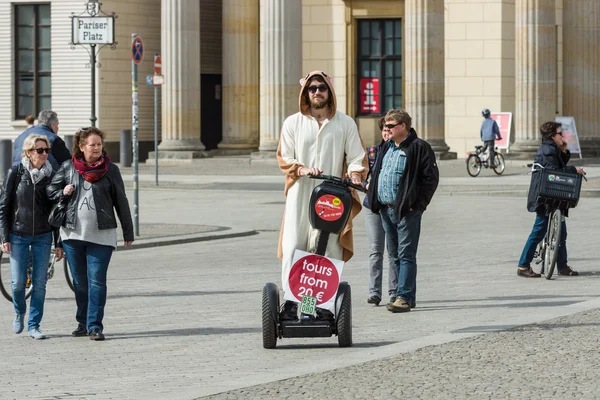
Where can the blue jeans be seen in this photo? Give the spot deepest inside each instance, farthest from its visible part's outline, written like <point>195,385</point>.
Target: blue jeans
<point>88,263</point>
<point>540,226</point>
<point>402,239</point>
<point>20,255</point>
<point>376,240</point>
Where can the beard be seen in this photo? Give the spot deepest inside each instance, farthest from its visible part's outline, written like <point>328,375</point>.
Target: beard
<point>319,103</point>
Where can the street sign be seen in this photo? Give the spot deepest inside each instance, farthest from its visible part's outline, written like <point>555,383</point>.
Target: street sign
<point>158,80</point>
<point>137,50</point>
<point>149,80</point>
<point>157,65</point>
<point>93,30</point>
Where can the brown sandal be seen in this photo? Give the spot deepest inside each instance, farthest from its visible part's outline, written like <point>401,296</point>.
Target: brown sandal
<point>527,273</point>
<point>567,271</point>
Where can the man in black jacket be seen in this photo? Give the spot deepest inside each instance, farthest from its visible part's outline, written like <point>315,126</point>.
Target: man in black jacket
<point>404,179</point>
<point>553,153</point>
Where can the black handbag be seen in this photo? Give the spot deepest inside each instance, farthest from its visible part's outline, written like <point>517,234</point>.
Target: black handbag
<point>59,211</point>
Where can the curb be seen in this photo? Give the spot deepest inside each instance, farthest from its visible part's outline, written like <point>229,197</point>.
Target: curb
<point>183,239</point>
<point>510,193</point>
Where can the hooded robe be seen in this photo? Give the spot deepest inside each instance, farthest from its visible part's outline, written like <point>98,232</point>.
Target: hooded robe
<point>335,148</point>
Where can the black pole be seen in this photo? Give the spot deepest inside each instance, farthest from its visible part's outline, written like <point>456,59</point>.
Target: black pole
<point>93,66</point>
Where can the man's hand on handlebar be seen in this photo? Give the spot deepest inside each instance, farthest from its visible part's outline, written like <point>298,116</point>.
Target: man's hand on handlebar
<point>355,178</point>
<point>303,171</point>
<point>580,171</point>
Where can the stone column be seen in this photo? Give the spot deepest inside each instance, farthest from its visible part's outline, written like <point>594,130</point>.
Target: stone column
<point>281,68</point>
<point>240,75</point>
<point>180,44</point>
<point>424,71</point>
<point>536,77</point>
<point>581,71</point>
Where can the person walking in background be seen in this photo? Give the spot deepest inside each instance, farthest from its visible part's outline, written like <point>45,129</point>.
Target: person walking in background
<point>29,120</point>
<point>93,189</point>
<point>404,179</point>
<point>489,133</point>
<point>48,127</point>
<point>376,235</point>
<point>25,231</point>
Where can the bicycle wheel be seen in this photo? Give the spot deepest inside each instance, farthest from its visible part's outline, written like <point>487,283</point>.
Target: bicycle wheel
<point>68,274</point>
<point>499,162</point>
<point>5,278</point>
<point>552,243</point>
<point>473,165</point>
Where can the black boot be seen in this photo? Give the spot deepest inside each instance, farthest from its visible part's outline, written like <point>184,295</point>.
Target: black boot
<point>289,311</point>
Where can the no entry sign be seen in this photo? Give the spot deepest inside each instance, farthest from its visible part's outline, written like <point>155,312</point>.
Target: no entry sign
<point>315,276</point>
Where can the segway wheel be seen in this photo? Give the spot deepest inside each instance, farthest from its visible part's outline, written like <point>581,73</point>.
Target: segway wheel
<point>344,319</point>
<point>269,325</point>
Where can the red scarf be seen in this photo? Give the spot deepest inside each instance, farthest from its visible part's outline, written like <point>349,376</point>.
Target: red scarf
<point>92,172</point>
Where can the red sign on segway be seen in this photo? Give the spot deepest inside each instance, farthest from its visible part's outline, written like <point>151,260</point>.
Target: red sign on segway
<point>329,207</point>
<point>315,276</point>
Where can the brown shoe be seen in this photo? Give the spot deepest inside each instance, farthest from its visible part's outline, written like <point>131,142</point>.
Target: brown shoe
<point>527,273</point>
<point>567,271</point>
<point>398,306</point>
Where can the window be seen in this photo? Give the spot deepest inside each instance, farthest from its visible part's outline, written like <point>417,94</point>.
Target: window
<point>32,59</point>
<point>379,66</point>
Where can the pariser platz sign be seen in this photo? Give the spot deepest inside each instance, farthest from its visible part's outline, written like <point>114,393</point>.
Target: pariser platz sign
<point>93,30</point>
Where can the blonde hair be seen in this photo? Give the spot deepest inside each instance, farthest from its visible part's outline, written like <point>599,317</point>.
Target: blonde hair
<point>31,140</point>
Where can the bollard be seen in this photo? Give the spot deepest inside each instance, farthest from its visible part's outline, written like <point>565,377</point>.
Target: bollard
<point>69,143</point>
<point>6,148</point>
<point>125,148</point>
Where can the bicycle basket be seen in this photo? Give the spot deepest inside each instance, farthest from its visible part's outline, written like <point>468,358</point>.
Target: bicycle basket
<point>557,187</point>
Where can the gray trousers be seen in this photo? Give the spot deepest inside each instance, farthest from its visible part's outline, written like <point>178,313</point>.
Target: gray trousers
<point>492,145</point>
<point>376,240</point>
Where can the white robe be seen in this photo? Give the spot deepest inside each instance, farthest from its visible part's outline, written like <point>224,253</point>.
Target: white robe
<point>303,142</point>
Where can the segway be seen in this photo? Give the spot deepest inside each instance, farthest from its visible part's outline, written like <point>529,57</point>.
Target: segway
<point>330,206</point>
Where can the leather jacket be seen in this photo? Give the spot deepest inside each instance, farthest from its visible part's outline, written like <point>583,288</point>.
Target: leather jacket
<point>24,206</point>
<point>108,192</point>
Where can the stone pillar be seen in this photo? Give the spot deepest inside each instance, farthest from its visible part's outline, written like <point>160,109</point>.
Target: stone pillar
<point>424,71</point>
<point>581,71</point>
<point>281,68</point>
<point>240,75</point>
<point>536,78</point>
<point>180,44</point>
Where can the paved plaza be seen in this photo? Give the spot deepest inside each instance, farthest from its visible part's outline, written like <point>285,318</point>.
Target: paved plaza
<point>183,317</point>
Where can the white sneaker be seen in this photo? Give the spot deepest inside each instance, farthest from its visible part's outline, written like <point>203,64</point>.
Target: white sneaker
<point>36,333</point>
<point>19,323</point>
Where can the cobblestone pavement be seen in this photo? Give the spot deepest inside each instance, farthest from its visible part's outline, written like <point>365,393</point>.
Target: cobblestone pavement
<point>184,321</point>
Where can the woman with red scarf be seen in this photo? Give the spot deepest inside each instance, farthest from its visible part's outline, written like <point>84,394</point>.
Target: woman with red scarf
<point>92,188</point>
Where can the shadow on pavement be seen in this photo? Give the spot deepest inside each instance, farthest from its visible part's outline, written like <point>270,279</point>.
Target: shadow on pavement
<point>182,332</point>
<point>165,294</point>
<point>362,345</point>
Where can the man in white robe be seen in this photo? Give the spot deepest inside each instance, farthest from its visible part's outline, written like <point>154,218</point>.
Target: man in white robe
<point>317,139</point>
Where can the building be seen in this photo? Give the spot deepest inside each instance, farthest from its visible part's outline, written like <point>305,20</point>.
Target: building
<point>232,68</point>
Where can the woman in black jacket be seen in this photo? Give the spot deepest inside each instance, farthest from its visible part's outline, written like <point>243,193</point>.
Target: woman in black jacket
<point>24,211</point>
<point>93,188</point>
<point>553,154</point>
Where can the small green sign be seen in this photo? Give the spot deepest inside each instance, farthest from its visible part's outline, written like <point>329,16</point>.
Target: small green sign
<point>309,305</point>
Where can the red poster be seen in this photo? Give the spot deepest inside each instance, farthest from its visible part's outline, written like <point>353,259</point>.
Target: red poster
<point>504,120</point>
<point>369,95</point>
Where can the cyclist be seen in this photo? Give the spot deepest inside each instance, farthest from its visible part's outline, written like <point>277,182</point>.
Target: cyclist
<point>489,133</point>
<point>553,154</point>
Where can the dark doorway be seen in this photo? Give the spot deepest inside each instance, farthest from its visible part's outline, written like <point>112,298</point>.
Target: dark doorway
<point>210,108</point>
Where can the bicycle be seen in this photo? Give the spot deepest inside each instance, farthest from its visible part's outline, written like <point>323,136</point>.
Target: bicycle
<point>557,191</point>
<point>5,281</point>
<point>476,160</point>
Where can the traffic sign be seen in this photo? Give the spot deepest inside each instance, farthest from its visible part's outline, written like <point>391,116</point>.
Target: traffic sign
<point>158,80</point>
<point>157,65</point>
<point>137,50</point>
<point>149,80</point>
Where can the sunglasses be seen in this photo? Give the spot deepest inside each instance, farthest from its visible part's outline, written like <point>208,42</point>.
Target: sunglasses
<point>392,126</point>
<point>320,88</point>
<point>42,150</point>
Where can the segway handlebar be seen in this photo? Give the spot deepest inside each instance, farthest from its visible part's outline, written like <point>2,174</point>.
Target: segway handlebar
<point>337,179</point>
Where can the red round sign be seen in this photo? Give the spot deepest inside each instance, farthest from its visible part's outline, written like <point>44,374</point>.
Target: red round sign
<point>315,276</point>
<point>329,207</point>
